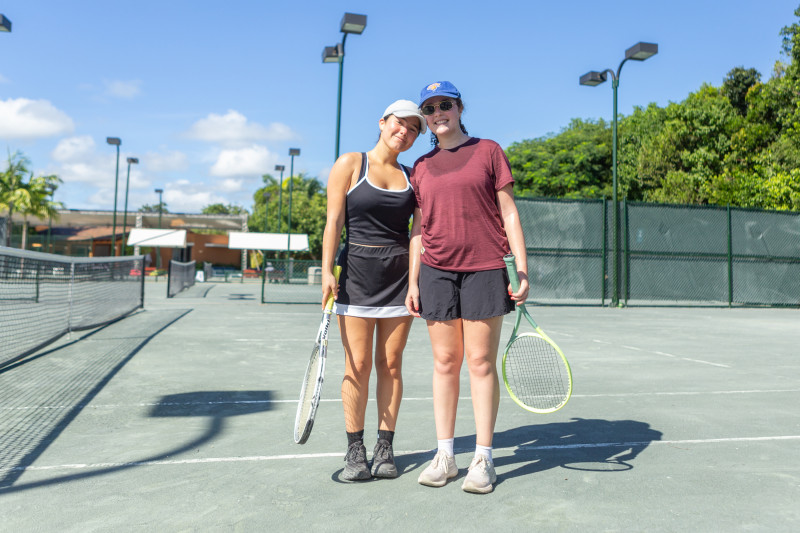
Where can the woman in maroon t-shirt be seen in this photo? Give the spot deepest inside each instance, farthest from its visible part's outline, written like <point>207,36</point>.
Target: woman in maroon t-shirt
<point>466,221</point>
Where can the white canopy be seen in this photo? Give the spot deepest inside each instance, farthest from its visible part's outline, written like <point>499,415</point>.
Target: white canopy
<point>239,240</point>
<point>161,238</point>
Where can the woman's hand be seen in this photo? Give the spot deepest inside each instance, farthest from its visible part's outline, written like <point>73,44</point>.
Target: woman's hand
<point>329,286</point>
<point>522,294</point>
<point>412,300</point>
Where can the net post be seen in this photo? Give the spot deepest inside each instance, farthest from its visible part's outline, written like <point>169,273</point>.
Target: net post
<point>604,257</point>
<point>730,259</point>
<point>263,276</point>
<point>142,270</point>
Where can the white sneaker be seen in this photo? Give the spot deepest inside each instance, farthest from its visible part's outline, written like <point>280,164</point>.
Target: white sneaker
<point>442,468</point>
<point>481,476</point>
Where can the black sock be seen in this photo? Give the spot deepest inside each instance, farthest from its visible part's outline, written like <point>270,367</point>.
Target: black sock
<point>356,436</point>
<point>385,434</point>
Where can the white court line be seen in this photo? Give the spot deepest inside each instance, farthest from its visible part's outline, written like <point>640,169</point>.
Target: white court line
<point>416,399</point>
<point>260,458</point>
<point>637,349</point>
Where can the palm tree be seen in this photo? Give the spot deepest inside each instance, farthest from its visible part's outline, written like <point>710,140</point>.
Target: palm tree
<point>28,198</point>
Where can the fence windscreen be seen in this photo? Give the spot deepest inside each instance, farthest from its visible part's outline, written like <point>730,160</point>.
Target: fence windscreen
<point>44,296</point>
<point>667,254</point>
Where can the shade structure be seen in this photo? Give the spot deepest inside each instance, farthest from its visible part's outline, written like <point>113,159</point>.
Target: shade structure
<point>158,238</point>
<point>239,240</point>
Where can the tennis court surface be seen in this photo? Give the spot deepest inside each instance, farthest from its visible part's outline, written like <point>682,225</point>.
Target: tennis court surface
<point>179,418</point>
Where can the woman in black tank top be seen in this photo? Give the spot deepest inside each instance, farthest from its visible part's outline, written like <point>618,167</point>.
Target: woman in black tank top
<point>370,194</point>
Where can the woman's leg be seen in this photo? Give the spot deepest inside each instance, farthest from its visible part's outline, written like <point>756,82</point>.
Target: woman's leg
<point>448,354</point>
<point>356,335</point>
<point>392,334</point>
<point>482,341</point>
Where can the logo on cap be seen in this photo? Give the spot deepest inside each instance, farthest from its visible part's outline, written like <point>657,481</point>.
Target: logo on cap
<point>433,86</point>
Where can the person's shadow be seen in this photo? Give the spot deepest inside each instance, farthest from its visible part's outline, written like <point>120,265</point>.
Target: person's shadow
<point>581,444</point>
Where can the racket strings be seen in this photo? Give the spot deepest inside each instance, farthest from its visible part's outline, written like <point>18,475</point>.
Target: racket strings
<point>307,392</point>
<point>536,373</point>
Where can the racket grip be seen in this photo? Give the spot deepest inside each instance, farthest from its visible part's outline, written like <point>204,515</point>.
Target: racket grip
<point>511,266</point>
<point>336,271</point>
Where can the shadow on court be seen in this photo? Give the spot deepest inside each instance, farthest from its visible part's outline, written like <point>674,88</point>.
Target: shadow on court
<point>593,445</point>
<point>61,382</point>
<point>215,405</point>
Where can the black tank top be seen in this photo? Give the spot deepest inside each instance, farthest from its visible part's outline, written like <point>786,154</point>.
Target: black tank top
<point>378,216</point>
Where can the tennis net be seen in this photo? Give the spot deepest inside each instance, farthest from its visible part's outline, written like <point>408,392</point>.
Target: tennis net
<point>181,277</point>
<point>44,296</point>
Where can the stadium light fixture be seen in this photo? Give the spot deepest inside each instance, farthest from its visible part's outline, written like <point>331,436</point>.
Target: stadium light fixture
<point>131,161</point>
<point>292,152</point>
<point>280,168</point>
<point>638,52</point>
<point>351,23</point>
<point>115,141</point>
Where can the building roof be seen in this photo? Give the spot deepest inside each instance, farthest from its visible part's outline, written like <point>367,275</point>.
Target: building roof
<point>78,218</point>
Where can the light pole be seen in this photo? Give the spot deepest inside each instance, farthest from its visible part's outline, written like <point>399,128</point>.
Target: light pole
<point>280,168</point>
<point>292,152</point>
<point>159,192</point>
<point>351,23</point>
<point>5,24</point>
<point>638,52</point>
<point>134,161</point>
<point>115,141</point>
<point>52,190</point>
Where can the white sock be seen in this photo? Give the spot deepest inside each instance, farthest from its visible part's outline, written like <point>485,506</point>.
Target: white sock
<point>484,450</point>
<point>446,446</point>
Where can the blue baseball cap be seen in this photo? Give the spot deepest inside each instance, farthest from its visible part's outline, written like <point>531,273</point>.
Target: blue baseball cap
<point>438,88</point>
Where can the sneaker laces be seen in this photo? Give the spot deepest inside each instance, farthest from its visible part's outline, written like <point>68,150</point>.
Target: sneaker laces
<point>383,451</point>
<point>438,459</point>
<point>356,453</point>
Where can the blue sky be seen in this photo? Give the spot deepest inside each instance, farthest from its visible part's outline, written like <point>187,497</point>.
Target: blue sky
<point>211,95</point>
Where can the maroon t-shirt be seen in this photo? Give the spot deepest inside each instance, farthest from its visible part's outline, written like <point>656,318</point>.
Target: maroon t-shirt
<point>456,190</point>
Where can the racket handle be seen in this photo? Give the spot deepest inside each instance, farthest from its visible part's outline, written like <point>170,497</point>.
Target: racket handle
<point>511,266</point>
<point>336,271</point>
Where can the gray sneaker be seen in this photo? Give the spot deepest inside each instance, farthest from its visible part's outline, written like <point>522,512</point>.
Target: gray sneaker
<point>355,467</point>
<point>442,468</point>
<point>383,460</point>
<point>481,476</point>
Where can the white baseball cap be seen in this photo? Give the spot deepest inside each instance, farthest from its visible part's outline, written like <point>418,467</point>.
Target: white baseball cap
<point>404,109</point>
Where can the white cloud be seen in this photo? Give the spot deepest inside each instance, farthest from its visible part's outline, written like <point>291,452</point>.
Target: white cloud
<point>231,185</point>
<point>171,161</point>
<point>22,118</point>
<point>74,149</point>
<point>243,161</point>
<point>123,89</point>
<point>233,127</point>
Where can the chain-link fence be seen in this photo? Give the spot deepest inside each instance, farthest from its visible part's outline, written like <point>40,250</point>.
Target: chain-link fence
<point>292,281</point>
<point>667,254</point>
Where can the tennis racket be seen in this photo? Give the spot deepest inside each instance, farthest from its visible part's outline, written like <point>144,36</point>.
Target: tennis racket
<point>311,390</point>
<point>535,371</point>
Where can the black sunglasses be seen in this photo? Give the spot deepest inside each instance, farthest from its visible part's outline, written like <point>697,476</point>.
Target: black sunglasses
<point>430,109</point>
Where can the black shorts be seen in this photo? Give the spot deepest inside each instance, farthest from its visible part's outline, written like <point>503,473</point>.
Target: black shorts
<point>446,295</point>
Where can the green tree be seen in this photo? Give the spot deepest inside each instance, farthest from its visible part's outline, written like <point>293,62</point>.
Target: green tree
<point>29,198</point>
<point>222,209</point>
<point>309,207</point>
<point>575,163</point>
<point>736,84</point>
<point>154,208</point>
